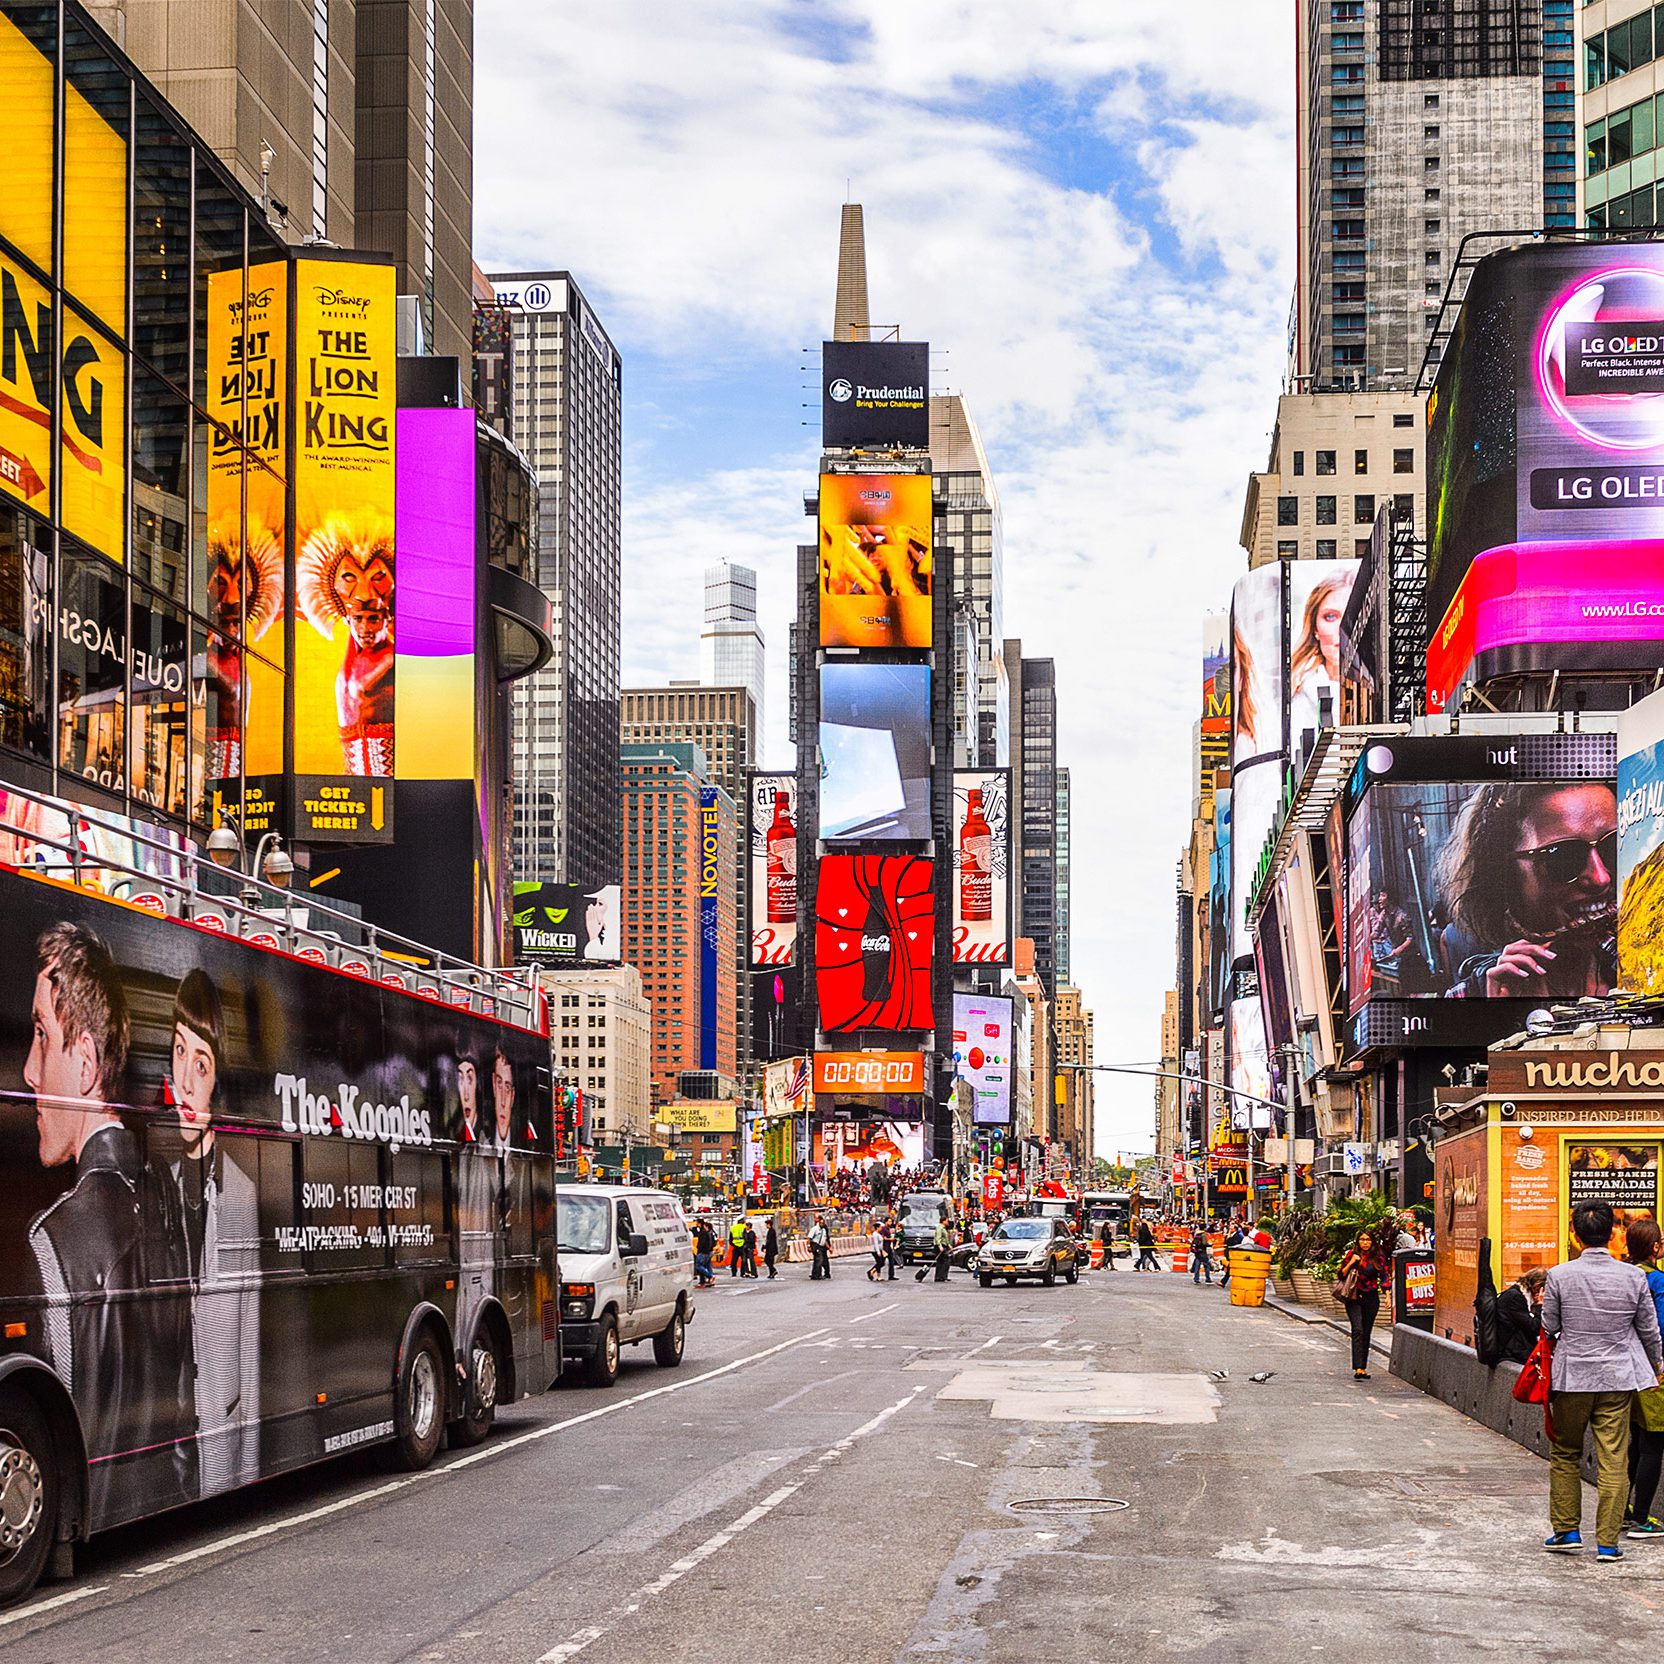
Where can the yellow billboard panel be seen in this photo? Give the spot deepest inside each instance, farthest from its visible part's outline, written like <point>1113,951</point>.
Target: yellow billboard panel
<point>346,366</point>
<point>247,383</point>
<point>698,1117</point>
<point>26,357</point>
<point>26,97</point>
<point>94,436</point>
<point>95,212</point>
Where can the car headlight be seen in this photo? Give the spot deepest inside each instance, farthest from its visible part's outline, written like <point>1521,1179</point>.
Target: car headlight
<point>577,1300</point>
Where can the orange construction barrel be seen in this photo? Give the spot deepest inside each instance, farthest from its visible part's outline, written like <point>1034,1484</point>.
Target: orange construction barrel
<point>1249,1269</point>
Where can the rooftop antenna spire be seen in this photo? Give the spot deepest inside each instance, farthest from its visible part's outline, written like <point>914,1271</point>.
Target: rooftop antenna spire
<point>850,315</point>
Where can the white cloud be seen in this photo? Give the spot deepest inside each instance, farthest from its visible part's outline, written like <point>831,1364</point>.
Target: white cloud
<point>1085,207</point>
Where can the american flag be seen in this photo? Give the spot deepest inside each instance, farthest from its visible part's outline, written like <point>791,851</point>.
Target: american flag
<point>800,1082</point>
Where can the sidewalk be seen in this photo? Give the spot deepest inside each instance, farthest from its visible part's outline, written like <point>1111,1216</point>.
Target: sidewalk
<point>1380,1340</point>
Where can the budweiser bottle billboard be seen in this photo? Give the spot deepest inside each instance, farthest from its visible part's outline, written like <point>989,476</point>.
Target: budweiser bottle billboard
<point>976,862</point>
<point>782,864</point>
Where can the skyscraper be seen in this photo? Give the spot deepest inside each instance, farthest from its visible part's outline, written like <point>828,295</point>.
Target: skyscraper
<point>1622,44</point>
<point>732,641</point>
<point>1063,837</point>
<point>567,383</point>
<point>352,119</point>
<point>968,523</point>
<point>1415,125</point>
<point>1034,792</point>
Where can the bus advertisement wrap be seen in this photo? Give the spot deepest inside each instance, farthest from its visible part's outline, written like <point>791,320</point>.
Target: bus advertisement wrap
<point>345,336</point>
<point>202,1139</point>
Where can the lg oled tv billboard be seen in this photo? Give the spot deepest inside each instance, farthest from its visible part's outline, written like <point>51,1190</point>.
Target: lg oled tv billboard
<point>875,560</point>
<point>875,942</point>
<point>1546,439</point>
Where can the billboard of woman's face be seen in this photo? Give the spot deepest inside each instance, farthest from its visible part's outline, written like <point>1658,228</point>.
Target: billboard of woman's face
<point>1257,664</point>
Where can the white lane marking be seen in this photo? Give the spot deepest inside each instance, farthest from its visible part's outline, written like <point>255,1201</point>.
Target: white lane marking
<point>813,1386</point>
<point>35,1608</point>
<point>679,1569</point>
<point>992,1340</point>
<point>867,1317</point>
<point>273,1527</point>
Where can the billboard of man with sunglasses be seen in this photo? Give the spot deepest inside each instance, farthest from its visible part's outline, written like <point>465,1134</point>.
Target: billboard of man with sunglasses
<point>1527,883</point>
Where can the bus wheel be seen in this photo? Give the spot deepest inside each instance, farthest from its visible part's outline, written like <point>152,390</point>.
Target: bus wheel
<point>29,1486</point>
<point>421,1407</point>
<point>479,1394</point>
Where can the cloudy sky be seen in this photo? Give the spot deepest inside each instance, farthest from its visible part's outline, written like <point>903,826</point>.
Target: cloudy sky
<point>1086,206</point>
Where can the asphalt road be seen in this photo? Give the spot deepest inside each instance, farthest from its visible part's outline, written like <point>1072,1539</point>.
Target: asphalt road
<point>907,1473</point>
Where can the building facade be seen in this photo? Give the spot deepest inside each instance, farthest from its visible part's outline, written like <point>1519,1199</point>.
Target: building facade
<point>567,382</point>
<point>1038,738</point>
<point>351,120</point>
<point>1621,47</point>
<point>601,1039</point>
<point>1065,819</point>
<point>687,973</point>
<point>969,530</point>
<point>1072,1022</point>
<point>1337,459</point>
<point>1413,128</point>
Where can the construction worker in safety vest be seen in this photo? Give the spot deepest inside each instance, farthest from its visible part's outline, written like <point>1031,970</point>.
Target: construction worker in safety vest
<point>736,1245</point>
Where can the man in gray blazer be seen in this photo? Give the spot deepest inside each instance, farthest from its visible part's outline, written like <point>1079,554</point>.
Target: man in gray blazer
<point>1600,1314</point>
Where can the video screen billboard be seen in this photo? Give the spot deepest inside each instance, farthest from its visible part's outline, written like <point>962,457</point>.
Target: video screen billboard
<point>1545,425</point>
<point>1487,890</point>
<point>712,880</point>
<point>435,537</point>
<point>346,344</point>
<point>1255,794</point>
<point>875,751</point>
<point>875,942</point>
<point>875,393</point>
<point>982,1055</point>
<point>1318,591</point>
<point>981,867</point>
<point>846,1146</point>
<point>874,1072</point>
<point>567,924</point>
<point>1641,847</point>
<point>875,560</point>
<point>1257,665</point>
<point>771,835</point>
<point>1549,606</point>
<point>1214,733</point>
<point>1250,1065</point>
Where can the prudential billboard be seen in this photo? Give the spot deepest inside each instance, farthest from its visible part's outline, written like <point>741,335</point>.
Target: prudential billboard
<point>875,395</point>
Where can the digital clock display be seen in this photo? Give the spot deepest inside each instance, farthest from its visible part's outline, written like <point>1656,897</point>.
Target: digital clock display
<point>869,1071</point>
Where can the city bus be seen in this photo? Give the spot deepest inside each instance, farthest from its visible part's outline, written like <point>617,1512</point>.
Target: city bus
<point>275,1189</point>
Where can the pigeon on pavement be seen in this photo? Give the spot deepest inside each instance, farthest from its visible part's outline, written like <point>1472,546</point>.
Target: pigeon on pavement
<point>1263,1376</point>
<point>1219,1375</point>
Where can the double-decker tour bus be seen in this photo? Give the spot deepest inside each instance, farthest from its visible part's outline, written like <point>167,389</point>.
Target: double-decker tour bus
<point>274,1188</point>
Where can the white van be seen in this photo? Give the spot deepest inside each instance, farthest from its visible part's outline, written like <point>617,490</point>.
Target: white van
<point>626,1275</point>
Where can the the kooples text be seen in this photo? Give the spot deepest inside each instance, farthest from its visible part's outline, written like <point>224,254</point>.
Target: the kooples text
<point>349,1114</point>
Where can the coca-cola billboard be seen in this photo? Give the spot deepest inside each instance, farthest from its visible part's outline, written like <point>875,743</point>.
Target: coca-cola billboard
<point>875,941</point>
<point>771,872</point>
<point>981,867</point>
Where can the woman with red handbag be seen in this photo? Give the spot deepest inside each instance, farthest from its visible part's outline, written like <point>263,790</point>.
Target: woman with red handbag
<point>1363,1273</point>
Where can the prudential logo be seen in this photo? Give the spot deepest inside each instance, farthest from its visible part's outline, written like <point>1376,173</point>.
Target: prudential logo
<point>841,391</point>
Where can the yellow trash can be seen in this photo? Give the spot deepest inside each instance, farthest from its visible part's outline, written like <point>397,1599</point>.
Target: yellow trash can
<point>1249,1269</point>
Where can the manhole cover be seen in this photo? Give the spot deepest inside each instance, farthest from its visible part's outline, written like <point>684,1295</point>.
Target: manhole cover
<point>1067,1505</point>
